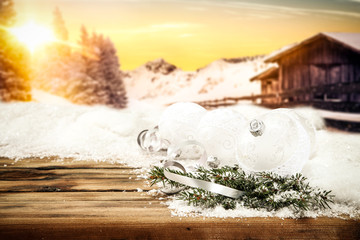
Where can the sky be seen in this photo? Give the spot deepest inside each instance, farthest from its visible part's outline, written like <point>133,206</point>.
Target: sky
<point>192,34</point>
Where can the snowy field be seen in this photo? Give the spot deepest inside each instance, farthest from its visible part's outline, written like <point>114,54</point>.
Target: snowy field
<point>217,80</point>
<point>59,128</point>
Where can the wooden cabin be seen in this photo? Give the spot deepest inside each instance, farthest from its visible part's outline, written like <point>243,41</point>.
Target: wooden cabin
<point>323,68</point>
<point>269,79</point>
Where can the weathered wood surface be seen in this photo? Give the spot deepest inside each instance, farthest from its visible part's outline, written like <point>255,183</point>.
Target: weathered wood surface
<point>46,199</point>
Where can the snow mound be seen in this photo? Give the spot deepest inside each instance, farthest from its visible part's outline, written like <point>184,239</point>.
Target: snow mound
<point>36,129</point>
<point>42,96</point>
<point>72,131</point>
<point>163,82</point>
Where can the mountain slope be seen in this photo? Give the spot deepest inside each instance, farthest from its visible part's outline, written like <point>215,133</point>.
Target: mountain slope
<point>159,80</point>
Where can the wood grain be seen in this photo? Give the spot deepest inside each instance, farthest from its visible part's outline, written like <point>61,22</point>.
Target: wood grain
<point>56,163</point>
<point>48,199</point>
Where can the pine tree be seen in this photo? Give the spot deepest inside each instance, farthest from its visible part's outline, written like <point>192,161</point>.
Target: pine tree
<point>61,34</point>
<point>110,68</point>
<point>103,83</point>
<point>84,37</point>
<point>102,91</point>
<point>59,26</point>
<point>14,79</point>
<point>51,71</point>
<point>90,86</point>
<point>90,76</point>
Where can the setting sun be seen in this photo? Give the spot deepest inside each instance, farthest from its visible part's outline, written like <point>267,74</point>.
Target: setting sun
<point>33,35</point>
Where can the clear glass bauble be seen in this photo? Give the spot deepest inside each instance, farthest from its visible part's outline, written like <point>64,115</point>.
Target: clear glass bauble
<point>150,141</point>
<point>179,122</point>
<point>190,153</point>
<point>310,129</point>
<point>283,146</point>
<point>218,131</point>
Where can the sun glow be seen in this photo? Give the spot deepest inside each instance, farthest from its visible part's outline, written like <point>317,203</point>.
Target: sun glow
<point>33,35</point>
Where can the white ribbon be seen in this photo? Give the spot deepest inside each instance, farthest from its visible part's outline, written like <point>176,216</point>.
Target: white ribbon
<point>196,183</point>
<point>149,141</point>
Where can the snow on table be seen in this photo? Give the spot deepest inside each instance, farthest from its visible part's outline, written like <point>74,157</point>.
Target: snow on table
<point>39,130</point>
<point>55,198</point>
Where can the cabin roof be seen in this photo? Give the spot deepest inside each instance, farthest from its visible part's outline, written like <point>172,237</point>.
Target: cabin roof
<point>269,73</point>
<point>348,40</point>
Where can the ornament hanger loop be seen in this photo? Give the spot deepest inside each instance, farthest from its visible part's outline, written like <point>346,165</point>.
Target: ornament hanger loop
<point>257,127</point>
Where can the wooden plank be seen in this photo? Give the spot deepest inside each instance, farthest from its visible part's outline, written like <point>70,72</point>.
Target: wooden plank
<point>26,197</point>
<point>90,216</point>
<point>86,208</point>
<point>165,227</point>
<point>69,176</point>
<point>55,162</point>
<point>68,185</point>
<point>17,174</point>
<point>113,216</point>
<point>83,209</point>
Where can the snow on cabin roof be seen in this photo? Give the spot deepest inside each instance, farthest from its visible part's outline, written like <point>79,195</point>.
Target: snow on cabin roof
<point>280,51</point>
<point>271,72</point>
<point>349,40</point>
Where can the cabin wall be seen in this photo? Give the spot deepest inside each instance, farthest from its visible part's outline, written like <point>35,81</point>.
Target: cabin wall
<point>269,86</point>
<point>322,62</point>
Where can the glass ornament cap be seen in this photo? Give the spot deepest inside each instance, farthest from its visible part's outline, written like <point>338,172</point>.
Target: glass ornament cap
<point>283,147</point>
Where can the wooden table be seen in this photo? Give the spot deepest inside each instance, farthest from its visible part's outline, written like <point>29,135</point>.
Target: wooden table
<point>47,199</point>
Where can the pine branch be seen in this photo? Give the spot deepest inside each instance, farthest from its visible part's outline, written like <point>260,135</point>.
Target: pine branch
<point>261,191</point>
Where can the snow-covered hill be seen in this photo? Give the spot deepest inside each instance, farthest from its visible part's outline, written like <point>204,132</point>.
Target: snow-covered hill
<point>163,81</point>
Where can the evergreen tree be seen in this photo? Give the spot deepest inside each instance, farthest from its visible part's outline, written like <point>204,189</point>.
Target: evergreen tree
<point>61,34</point>
<point>51,70</point>
<point>14,80</point>
<point>60,30</point>
<point>90,76</point>
<point>91,85</point>
<point>110,69</point>
<point>84,37</point>
<point>104,83</point>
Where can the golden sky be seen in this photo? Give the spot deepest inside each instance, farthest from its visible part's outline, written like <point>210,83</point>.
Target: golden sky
<point>191,34</point>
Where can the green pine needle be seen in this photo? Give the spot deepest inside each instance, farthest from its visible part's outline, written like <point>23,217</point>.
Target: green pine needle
<point>261,190</point>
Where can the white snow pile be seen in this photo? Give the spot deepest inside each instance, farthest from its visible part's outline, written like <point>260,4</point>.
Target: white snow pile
<point>71,131</point>
<point>37,129</point>
<point>163,82</point>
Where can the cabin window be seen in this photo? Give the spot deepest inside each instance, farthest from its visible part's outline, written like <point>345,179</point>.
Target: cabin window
<point>268,87</point>
<point>355,97</point>
<point>263,88</point>
<point>333,97</point>
<point>318,97</point>
<point>318,74</point>
<point>334,74</point>
<point>357,73</point>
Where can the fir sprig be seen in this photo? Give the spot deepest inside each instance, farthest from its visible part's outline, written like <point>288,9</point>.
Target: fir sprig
<point>261,190</point>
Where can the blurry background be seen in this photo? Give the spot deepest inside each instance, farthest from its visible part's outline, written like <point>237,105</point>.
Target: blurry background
<point>217,53</point>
